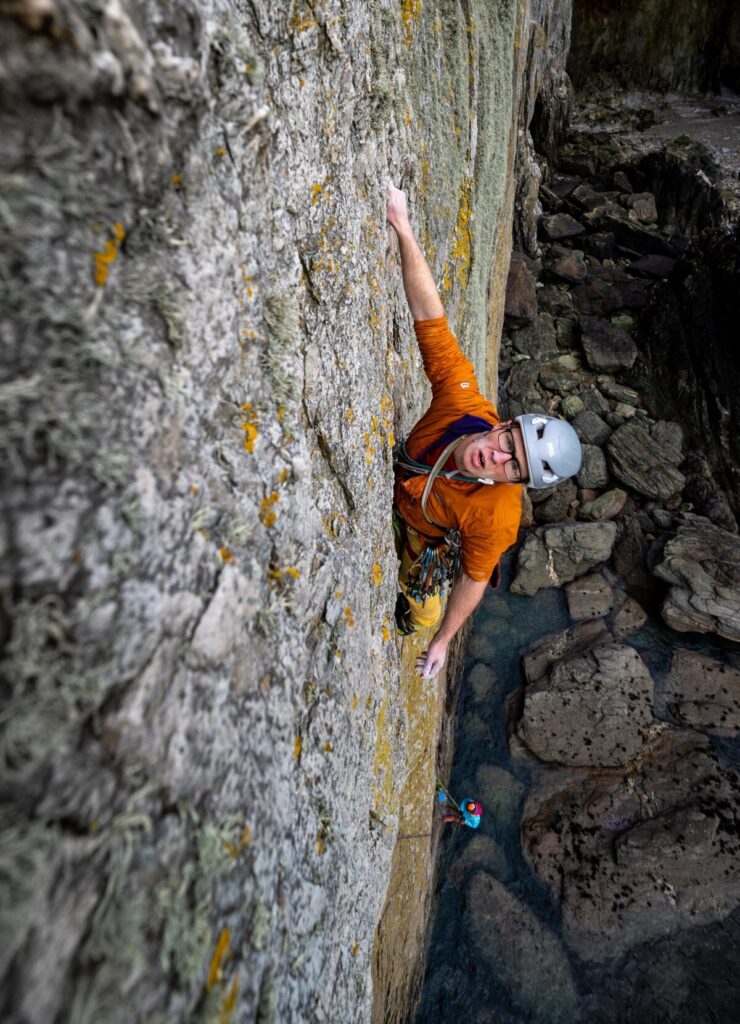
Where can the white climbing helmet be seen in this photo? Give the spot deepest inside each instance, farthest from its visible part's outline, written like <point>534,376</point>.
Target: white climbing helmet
<point>553,449</point>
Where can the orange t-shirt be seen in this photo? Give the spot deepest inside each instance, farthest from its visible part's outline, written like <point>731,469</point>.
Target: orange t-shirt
<point>486,516</point>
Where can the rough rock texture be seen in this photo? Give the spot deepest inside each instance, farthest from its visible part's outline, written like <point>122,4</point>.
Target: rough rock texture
<point>524,955</point>
<point>640,852</point>
<point>553,555</point>
<point>607,347</point>
<point>702,563</point>
<point>643,464</point>
<point>206,353</point>
<point>607,506</point>
<point>589,597</point>
<point>704,693</point>
<point>591,709</point>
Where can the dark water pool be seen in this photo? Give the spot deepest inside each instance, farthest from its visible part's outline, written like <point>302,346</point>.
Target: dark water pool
<point>458,986</point>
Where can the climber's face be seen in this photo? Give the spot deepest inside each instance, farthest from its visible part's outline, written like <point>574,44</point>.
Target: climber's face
<point>496,455</point>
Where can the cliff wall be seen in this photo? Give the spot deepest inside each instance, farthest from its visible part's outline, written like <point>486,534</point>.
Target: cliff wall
<point>207,723</point>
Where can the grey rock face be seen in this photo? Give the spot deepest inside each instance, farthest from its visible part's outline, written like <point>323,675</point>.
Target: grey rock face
<point>589,597</point>
<point>553,555</point>
<point>640,853</point>
<point>702,562</point>
<point>607,347</point>
<point>593,709</point>
<point>639,461</point>
<point>521,952</point>
<point>704,693</point>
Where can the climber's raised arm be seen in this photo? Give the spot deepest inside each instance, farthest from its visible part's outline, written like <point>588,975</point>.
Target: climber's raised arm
<point>418,281</point>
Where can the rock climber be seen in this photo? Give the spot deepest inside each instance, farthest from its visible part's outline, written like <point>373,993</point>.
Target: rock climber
<point>460,471</point>
<point>467,812</point>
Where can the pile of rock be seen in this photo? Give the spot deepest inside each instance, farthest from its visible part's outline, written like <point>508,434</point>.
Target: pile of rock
<point>569,349</point>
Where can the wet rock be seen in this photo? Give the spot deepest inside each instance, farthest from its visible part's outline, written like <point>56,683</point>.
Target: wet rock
<point>554,555</point>
<point>630,234</point>
<point>589,597</point>
<point>590,427</point>
<point>588,199</point>
<point>637,855</point>
<point>702,564</point>
<point>521,292</point>
<point>561,225</point>
<point>570,266</point>
<point>592,709</point>
<point>621,181</point>
<point>642,206</point>
<point>537,338</point>
<point>554,647</point>
<point>593,472</point>
<point>520,952</point>
<point>563,184</point>
<point>652,266</point>
<point>594,401</point>
<point>555,299</point>
<point>607,347</point>
<point>481,853</point>
<point>633,294</point>
<point>639,461</point>
<point>670,436</point>
<point>481,679</point>
<point>501,793</point>
<point>704,693</point>
<point>626,617</point>
<point>522,380</point>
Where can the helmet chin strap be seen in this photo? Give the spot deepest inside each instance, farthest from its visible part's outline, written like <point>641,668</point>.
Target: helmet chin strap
<point>490,483</point>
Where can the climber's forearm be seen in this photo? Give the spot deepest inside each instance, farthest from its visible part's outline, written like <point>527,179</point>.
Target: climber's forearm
<point>418,280</point>
<point>465,597</point>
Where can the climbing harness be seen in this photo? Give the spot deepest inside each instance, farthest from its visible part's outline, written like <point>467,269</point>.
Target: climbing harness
<point>438,563</point>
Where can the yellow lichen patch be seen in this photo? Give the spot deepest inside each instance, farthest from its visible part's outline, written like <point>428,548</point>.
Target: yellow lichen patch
<point>220,152</point>
<point>227,1007</point>
<point>246,837</point>
<point>410,13</point>
<point>297,746</point>
<point>383,762</point>
<point>461,252</point>
<point>250,420</point>
<point>176,180</point>
<point>283,476</point>
<point>267,513</point>
<point>377,574</point>
<point>355,949</point>
<point>226,555</point>
<point>194,489</point>
<point>328,747</point>
<point>349,617</point>
<point>369,447</point>
<point>320,844</point>
<point>355,701</point>
<point>385,632</point>
<point>215,971</point>
<point>280,413</point>
<point>316,190</point>
<point>349,415</point>
<point>108,255</point>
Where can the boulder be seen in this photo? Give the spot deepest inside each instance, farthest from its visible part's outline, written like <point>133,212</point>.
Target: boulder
<point>538,658</point>
<point>591,428</point>
<point>670,436</point>
<point>704,693</point>
<point>626,617</point>
<point>522,955</point>
<point>607,347</point>
<point>596,298</point>
<point>561,225</point>
<point>705,494</point>
<point>589,597</point>
<point>593,709</point>
<point>570,266</point>
<point>637,855</point>
<point>571,406</point>
<point>702,564</point>
<point>620,393</point>
<point>629,233</point>
<point>567,331</point>
<point>521,293</point>
<point>537,338</point>
<point>588,199</point>
<point>622,182</point>
<point>555,508</point>
<point>593,472</point>
<point>606,506</point>
<point>553,555</point>
<point>642,463</point>
<point>555,299</point>
<point>599,244</point>
<point>642,207</point>
<point>652,266</point>
<point>481,853</point>
<point>555,377</point>
<point>500,792</point>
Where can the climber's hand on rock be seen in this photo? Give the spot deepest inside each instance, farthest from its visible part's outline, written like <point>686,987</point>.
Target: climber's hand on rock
<point>397,210</point>
<point>431,662</point>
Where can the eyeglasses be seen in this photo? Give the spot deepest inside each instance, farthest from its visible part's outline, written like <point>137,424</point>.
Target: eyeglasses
<point>512,468</point>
